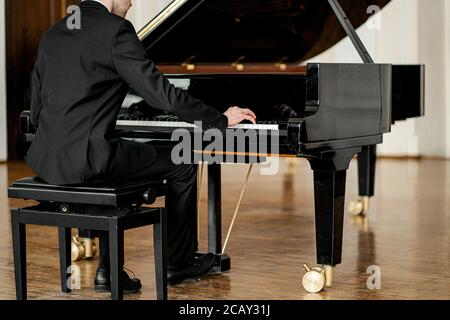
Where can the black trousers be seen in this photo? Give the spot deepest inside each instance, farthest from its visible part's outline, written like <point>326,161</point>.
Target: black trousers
<point>181,207</point>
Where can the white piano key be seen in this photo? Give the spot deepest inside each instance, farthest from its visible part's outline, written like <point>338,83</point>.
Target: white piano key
<point>174,124</point>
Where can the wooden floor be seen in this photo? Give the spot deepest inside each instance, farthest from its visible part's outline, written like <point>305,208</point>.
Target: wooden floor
<point>407,236</point>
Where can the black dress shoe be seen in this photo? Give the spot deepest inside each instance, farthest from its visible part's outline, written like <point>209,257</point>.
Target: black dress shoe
<point>198,267</point>
<point>102,282</point>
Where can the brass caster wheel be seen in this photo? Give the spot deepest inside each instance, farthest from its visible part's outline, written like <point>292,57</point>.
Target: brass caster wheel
<point>90,248</point>
<point>77,249</point>
<point>83,248</point>
<point>359,207</point>
<point>317,278</point>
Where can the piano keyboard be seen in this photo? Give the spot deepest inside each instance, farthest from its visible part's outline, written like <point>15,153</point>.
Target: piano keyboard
<point>139,124</point>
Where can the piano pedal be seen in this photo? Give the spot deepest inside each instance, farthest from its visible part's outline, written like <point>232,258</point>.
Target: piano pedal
<point>359,207</point>
<point>317,278</point>
<point>83,248</point>
<point>222,264</point>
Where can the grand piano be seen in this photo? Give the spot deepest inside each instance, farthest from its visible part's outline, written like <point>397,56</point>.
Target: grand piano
<point>251,54</point>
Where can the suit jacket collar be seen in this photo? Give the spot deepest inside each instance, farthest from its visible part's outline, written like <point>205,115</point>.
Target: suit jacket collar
<point>93,4</point>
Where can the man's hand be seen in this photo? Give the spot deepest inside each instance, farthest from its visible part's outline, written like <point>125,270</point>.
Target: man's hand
<point>236,115</point>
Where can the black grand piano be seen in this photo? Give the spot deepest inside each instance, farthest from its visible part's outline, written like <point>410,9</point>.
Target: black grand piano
<point>250,53</point>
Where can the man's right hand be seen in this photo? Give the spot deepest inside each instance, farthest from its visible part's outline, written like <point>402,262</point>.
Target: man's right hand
<point>236,115</point>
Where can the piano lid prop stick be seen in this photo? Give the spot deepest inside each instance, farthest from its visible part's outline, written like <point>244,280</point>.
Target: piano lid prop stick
<point>237,208</point>
<point>199,195</point>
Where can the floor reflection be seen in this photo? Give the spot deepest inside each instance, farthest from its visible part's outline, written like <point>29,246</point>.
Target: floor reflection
<point>432,222</point>
<point>316,296</point>
<point>289,195</point>
<point>217,286</point>
<point>367,256</point>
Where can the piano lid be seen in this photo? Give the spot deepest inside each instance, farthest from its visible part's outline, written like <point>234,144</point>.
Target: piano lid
<point>248,31</point>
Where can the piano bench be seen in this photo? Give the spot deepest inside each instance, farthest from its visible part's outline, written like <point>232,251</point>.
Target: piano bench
<point>113,207</point>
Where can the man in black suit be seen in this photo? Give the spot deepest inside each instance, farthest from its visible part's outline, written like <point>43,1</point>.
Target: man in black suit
<point>80,80</point>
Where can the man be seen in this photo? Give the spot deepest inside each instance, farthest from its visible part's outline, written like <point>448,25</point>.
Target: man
<point>80,80</point>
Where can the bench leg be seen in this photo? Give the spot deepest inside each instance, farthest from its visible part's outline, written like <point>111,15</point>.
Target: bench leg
<point>64,257</point>
<point>116,253</point>
<point>160,251</point>
<point>20,260</point>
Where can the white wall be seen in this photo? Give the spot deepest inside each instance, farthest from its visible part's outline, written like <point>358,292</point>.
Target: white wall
<point>144,10</point>
<point>412,31</point>
<point>432,130</point>
<point>447,71</point>
<point>3,130</point>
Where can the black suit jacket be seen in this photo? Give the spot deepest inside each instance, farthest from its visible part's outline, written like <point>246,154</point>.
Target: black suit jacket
<point>80,80</point>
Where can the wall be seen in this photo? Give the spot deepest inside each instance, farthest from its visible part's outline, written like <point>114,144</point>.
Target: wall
<point>433,137</point>
<point>3,129</point>
<point>447,72</point>
<point>143,11</point>
<point>411,31</point>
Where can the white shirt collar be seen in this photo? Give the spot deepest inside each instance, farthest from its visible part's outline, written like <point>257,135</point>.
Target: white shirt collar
<point>101,3</point>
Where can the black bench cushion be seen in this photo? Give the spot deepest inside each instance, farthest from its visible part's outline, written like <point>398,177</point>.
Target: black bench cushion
<point>111,193</point>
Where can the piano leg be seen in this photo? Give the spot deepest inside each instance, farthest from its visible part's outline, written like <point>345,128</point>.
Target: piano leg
<point>330,174</point>
<point>223,262</point>
<point>366,176</point>
<point>329,189</point>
